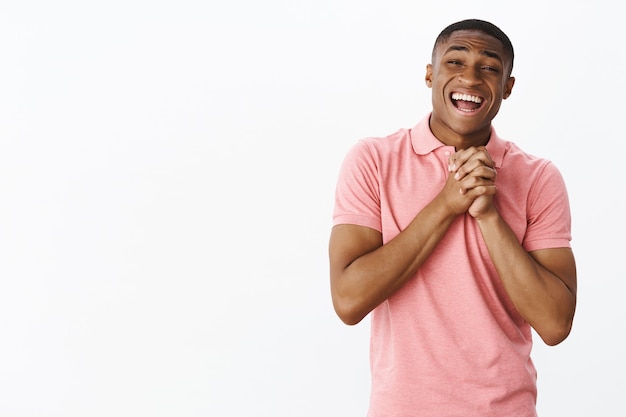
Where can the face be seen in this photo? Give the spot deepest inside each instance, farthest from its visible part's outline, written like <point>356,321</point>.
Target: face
<point>469,77</point>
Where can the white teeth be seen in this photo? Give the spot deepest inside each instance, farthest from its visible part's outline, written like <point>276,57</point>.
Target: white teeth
<point>466,97</point>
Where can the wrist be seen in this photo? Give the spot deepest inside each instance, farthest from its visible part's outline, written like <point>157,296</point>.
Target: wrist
<point>488,216</point>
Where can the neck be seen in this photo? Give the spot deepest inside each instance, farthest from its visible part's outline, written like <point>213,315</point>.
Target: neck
<point>463,142</point>
<point>459,137</point>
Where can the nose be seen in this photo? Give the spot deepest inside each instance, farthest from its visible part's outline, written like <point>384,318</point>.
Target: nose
<point>470,76</point>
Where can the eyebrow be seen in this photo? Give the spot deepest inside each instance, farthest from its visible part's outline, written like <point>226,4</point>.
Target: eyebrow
<point>490,54</point>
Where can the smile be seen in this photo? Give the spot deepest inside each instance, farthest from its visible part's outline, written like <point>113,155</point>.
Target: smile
<point>466,103</point>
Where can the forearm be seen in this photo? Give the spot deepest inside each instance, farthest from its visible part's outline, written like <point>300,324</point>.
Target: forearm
<point>541,296</point>
<point>376,275</point>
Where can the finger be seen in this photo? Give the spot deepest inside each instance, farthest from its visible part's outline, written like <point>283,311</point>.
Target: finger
<point>485,172</point>
<point>465,161</point>
<point>480,176</point>
<point>476,167</point>
<point>480,153</point>
<point>459,158</point>
<point>486,158</point>
<point>479,189</point>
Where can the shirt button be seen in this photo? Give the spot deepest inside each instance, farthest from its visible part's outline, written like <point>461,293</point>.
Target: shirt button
<point>447,153</point>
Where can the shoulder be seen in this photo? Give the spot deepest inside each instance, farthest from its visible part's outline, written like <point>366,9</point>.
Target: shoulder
<point>526,163</point>
<point>381,144</point>
<point>377,149</point>
<point>538,176</point>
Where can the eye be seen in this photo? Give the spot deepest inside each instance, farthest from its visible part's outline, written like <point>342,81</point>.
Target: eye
<point>491,69</point>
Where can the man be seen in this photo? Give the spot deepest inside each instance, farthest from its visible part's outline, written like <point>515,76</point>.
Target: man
<point>457,242</point>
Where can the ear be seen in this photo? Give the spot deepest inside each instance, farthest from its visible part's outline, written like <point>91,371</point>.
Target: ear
<point>508,88</point>
<point>429,75</point>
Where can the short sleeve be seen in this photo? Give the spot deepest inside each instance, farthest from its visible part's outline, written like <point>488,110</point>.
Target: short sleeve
<point>549,217</point>
<point>357,194</point>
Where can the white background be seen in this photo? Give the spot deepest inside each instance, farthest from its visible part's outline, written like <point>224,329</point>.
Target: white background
<point>167,171</point>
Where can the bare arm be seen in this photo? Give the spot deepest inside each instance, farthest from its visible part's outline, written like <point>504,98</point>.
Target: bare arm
<point>364,272</point>
<point>541,284</point>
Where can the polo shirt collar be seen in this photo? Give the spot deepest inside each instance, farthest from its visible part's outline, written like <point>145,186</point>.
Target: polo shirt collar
<point>424,142</point>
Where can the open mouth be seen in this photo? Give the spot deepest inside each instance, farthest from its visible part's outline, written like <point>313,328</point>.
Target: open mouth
<point>467,103</point>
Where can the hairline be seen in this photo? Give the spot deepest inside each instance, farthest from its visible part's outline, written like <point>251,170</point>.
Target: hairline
<point>481,26</point>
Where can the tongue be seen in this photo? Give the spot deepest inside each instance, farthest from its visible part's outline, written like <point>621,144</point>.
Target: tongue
<point>467,105</point>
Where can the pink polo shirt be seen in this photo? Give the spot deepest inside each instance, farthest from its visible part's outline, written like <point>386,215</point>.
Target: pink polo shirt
<point>450,342</point>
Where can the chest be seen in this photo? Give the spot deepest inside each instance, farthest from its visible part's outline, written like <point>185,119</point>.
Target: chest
<point>409,185</point>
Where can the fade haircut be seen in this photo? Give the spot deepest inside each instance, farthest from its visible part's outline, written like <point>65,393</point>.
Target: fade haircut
<point>481,26</point>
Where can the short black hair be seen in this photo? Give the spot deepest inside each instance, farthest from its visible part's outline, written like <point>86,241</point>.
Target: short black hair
<point>479,25</point>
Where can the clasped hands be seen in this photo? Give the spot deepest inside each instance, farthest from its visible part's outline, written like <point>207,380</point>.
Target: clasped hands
<point>471,182</point>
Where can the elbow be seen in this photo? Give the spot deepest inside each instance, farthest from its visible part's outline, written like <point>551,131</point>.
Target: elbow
<point>555,327</point>
<point>348,311</point>
<point>557,333</point>
<point>349,320</point>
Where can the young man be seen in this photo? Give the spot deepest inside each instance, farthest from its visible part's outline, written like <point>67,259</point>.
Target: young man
<point>457,242</point>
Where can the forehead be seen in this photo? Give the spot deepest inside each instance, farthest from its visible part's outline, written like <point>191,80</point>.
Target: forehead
<point>472,41</point>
